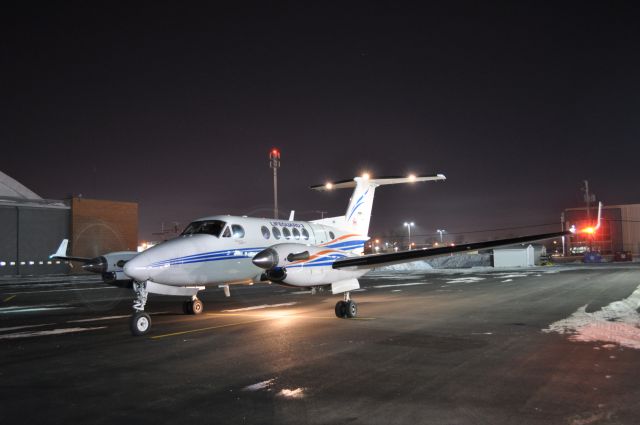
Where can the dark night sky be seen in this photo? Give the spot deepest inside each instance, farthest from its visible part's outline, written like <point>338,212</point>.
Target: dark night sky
<point>175,106</point>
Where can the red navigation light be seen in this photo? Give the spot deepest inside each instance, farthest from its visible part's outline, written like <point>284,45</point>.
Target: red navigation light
<point>275,152</point>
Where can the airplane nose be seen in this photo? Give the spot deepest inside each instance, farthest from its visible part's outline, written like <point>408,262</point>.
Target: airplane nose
<point>266,259</point>
<point>136,269</point>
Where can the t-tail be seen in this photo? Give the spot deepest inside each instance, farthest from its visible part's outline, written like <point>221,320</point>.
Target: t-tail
<point>356,219</point>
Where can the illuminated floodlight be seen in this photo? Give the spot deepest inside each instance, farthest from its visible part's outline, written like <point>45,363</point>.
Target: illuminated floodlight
<point>412,177</point>
<point>328,186</point>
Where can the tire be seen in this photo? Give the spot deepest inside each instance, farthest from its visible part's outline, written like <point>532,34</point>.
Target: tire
<point>186,307</point>
<point>351,309</point>
<point>140,323</point>
<point>196,307</point>
<point>341,309</point>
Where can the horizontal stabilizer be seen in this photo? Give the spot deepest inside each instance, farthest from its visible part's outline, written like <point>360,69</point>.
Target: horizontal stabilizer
<point>380,181</point>
<point>377,260</point>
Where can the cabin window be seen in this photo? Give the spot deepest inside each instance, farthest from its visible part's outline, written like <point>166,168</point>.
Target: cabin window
<point>296,234</point>
<point>207,227</point>
<point>305,234</point>
<point>276,232</point>
<point>226,233</point>
<point>238,231</point>
<point>265,232</point>
<point>331,236</point>
<point>286,233</point>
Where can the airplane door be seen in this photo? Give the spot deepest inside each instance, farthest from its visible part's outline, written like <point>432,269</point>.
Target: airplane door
<point>320,234</point>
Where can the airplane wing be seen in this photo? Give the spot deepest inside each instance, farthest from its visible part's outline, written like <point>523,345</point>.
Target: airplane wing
<point>61,254</point>
<point>377,260</point>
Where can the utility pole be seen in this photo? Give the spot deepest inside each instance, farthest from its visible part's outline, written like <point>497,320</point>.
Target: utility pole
<point>274,163</point>
<point>588,199</point>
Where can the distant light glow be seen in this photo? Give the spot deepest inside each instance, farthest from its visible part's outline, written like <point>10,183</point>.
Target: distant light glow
<point>328,186</point>
<point>589,230</point>
<point>365,176</point>
<point>412,177</point>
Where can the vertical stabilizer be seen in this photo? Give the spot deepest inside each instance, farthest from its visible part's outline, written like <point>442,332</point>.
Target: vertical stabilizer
<point>358,215</point>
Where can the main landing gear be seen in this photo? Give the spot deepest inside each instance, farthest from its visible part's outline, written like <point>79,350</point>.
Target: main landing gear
<point>347,308</point>
<point>195,306</point>
<point>140,321</point>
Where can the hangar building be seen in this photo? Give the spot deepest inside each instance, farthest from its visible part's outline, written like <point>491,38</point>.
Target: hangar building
<point>619,229</point>
<point>31,228</point>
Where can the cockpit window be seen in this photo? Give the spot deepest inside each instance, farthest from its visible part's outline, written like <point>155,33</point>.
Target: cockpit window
<point>238,231</point>
<point>208,227</point>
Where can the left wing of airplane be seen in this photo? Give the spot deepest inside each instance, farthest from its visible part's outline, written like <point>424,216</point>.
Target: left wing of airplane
<point>377,260</point>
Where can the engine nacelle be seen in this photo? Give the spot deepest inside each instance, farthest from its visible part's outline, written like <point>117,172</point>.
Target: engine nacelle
<point>303,265</point>
<point>110,262</point>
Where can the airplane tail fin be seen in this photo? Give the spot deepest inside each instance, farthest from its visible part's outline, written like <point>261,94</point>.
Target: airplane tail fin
<point>356,219</point>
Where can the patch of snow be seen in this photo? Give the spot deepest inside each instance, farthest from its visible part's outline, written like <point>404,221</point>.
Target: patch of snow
<point>618,322</point>
<point>260,385</point>
<point>297,393</point>
<point>402,284</point>
<point>469,279</point>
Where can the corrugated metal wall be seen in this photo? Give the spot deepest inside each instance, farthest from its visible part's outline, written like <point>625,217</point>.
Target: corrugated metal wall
<point>28,236</point>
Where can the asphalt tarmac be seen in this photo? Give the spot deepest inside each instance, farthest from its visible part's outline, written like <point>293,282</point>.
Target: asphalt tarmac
<point>427,348</point>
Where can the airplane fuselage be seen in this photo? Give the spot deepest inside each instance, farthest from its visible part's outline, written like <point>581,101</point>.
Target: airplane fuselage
<point>201,258</point>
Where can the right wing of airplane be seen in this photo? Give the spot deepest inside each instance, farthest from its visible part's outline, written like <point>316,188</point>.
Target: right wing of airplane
<point>377,260</point>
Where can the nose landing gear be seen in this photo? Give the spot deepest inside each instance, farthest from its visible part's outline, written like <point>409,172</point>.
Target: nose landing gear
<point>140,321</point>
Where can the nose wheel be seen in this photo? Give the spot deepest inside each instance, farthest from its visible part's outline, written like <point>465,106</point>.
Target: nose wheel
<point>140,323</point>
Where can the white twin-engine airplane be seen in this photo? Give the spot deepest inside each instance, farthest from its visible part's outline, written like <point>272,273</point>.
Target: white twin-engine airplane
<point>224,250</point>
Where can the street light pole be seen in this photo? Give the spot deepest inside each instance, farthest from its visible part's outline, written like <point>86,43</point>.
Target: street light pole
<point>409,225</point>
<point>441,231</point>
<point>274,163</point>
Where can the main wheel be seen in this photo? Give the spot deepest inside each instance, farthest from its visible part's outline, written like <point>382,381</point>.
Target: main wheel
<point>341,309</point>
<point>196,306</point>
<point>351,309</point>
<point>140,323</point>
<point>186,307</point>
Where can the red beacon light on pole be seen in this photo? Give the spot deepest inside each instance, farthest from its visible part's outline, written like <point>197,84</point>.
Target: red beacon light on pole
<point>592,230</point>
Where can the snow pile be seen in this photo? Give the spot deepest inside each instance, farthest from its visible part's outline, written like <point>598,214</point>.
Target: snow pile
<point>618,322</point>
<point>457,261</point>
<point>460,261</point>
<point>407,267</point>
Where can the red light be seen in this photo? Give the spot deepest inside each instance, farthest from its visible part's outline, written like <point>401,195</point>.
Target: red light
<point>275,152</point>
<point>589,230</point>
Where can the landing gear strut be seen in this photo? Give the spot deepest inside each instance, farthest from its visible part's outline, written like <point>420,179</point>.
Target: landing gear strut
<point>140,321</point>
<point>346,308</point>
<point>195,306</point>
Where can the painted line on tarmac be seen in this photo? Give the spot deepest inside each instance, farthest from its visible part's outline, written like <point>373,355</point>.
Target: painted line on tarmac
<point>259,307</point>
<point>33,308</point>
<point>247,322</point>
<point>46,333</point>
<point>9,298</point>
<point>98,319</point>
<point>15,328</point>
<point>228,325</point>
<point>61,290</point>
